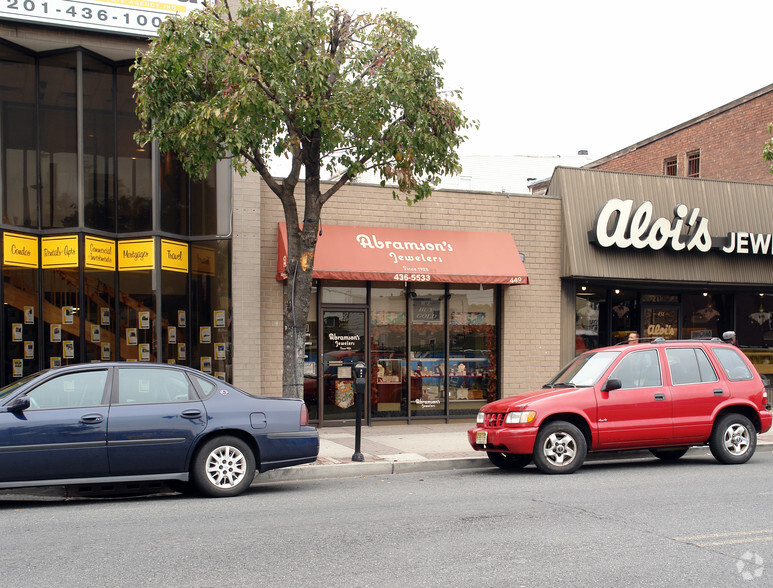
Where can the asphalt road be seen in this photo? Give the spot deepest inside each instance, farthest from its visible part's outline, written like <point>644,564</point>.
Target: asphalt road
<point>634,523</point>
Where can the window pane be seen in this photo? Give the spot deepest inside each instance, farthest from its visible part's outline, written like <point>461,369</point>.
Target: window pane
<point>99,302</point>
<point>137,315</point>
<point>153,385</point>
<point>640,369</point>
<point>340,292</point>
<point>58,141</point>
<point>20,288</point>
<point>98,145</point>
<point>683,365</point>
<point>18,158</point>
<point>61,329</point>
<point>387,352</point>
<point>174,195</point>
<point>428,351</point>
<point>472,362</point>
<point>211,301</point>
<point>174,298</point>
<point>590,318</point>
<point>134,163</point>
<point>70,391</point>
<point>730,359</point>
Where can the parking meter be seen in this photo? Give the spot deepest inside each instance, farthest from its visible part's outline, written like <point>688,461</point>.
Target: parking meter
<point>360,380</point>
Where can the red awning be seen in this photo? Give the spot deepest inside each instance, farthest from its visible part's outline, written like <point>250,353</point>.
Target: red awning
<point>411,255</point>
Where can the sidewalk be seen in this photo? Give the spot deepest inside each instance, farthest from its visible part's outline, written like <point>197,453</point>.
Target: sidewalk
<point>401,448</point>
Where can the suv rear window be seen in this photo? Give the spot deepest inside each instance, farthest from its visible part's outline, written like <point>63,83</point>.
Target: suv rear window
<point>732,362</point>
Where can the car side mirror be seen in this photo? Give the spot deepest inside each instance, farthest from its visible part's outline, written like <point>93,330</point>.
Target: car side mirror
<point>19,405</point>
<point>612,384</point>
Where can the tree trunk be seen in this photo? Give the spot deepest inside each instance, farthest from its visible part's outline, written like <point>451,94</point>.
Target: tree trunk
<point>301,246</point>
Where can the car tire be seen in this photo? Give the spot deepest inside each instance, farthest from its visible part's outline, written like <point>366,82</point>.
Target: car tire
<point>223,466</point>
<point>509,461</point>
<point>560,448</point>
<point>733,439</point>
<point>669,454</point>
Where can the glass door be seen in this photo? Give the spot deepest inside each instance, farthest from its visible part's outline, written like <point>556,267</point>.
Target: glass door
<point>343,344</point>
<point>428,353</point>
<point>660,321</point>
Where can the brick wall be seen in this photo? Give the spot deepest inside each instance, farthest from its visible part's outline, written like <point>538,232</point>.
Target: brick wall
<point>245,283</point>
<point>730,144</point>
<point>530,342</point>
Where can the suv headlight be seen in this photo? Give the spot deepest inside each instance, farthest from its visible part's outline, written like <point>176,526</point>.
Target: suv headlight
<point>520,417</point>
<point>479,420</point>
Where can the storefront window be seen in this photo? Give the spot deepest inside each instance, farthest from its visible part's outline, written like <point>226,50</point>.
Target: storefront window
<point>18,147</point>
<point>21,313</point>
<point>472,374</point>
<point>62,319</point>
<point>98,145</point>
<point>99,301</point>
<point>211,301</point>
<point>590,318</point>
<point>388,386</point>
<point>138,317</point>
<point>706,315</point>
<point>174,307</point>
<point>428,351</point>
<point>58,141</point>
<point>754,320</point>
<point>624,318</point>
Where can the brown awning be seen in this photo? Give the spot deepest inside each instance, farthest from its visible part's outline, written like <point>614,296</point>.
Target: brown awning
<point>411,255</point>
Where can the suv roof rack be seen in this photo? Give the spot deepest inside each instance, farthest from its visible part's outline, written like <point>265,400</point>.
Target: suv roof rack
<point>710,339</point>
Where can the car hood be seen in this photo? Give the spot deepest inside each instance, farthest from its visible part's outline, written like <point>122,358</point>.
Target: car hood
<point>526,400</point>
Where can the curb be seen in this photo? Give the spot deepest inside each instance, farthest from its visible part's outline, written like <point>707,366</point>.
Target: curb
<point>353,470</point>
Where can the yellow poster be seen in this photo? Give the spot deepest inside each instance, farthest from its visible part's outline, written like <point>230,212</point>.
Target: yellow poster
<point>137,254</point>
<point>59,251</point>
<point>20,250</point>
<point>174,256</point>
<point>202,260</point>
<point>99,254</point>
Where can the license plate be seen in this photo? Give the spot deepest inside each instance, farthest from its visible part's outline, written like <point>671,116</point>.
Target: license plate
<point>480,438</point>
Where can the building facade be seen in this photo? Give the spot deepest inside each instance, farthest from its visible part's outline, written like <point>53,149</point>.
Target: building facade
<point>110,252</point>
<point>723,144</point>
<point>669,257</point>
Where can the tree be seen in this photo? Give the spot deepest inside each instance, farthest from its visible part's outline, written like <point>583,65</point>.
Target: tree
<point>767,148</point>
<point>314,84</point>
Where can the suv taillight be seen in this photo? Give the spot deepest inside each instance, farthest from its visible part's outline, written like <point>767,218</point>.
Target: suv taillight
<point>304,415</point>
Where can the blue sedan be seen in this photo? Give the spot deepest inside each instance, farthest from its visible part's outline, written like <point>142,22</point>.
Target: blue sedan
<point>127,422</point>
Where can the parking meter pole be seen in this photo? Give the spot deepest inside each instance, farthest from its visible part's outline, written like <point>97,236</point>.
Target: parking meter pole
<point>359,393</point>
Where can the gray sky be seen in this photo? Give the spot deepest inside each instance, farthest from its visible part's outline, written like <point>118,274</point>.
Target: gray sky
<point>553,77</point>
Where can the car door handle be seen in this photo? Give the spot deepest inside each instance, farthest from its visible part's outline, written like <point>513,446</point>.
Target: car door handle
<point>192,413</point>
<point>718,391</point>
<point>92,418</point>
<point>660,396</point>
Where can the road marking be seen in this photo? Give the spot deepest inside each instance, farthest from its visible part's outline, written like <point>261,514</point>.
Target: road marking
<point>715,539</point>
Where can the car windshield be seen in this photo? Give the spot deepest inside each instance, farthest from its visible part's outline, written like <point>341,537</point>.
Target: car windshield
<point>11,388</point>
<point>585,370</point>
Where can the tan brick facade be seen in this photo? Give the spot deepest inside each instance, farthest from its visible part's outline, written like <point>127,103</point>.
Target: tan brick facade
<point>530,340</point>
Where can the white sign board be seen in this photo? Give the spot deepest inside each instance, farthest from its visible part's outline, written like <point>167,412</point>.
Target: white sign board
<point>123,17</point>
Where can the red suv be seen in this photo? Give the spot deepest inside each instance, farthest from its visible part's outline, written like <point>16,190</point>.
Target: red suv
<point>663,396</point>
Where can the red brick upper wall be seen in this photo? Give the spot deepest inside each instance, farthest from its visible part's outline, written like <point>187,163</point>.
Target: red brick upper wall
<point>730,143</point>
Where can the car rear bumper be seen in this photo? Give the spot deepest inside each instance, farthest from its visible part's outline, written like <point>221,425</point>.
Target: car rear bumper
<point>766,419</point>
<point>505,440</point>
